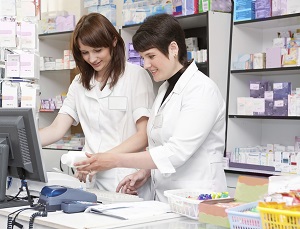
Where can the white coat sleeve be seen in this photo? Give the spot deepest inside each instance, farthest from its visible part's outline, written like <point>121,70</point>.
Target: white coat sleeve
<point>142,94</point>
<point>69,104</point>
<point>201,109</point>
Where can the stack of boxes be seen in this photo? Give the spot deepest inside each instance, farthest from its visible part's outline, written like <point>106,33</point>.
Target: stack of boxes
<point>255,9</point>
<point>282,158</point>
<point>19,54</point>
<point>269,99</point>
<point>53,22</point>
<point>284,52</point>
<point>135,11</point>
<point>104,7</point>
<point>214,5</point>
<point>193,52</point>
<point>49,63</point>
<point>52,103</point>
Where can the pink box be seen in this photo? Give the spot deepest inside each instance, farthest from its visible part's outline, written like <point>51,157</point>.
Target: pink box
<point>273,57</point>
<point>65,23</point>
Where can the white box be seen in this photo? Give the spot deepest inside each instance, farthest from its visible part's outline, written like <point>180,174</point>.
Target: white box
<point>12,66</point>
<point>29,65</point>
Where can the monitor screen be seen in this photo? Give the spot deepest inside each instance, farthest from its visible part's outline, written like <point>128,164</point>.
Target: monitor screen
<point>20,150</point>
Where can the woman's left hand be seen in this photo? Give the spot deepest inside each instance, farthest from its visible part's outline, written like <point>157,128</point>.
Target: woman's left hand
<point>96,162</point>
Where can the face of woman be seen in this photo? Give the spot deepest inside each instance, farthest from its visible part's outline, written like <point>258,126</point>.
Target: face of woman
<point>159,65</point>
<point>98,58</point>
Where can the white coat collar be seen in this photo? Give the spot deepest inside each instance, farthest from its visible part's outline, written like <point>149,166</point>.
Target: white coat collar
<point>185,77</point>
<point>95,86</point>
<point>179,86</point>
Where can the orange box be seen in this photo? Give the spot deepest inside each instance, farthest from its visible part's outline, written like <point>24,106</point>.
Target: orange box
<point>248,189</point>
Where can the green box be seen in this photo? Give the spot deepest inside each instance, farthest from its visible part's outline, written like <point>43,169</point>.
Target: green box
<point>204,5</point>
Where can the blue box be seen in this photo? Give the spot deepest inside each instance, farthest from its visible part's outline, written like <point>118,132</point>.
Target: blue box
<point>244,10</point>
<point>282,90</point>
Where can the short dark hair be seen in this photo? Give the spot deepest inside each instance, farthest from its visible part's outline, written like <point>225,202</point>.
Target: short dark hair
<point>97,31</point>
<point>158,31</point>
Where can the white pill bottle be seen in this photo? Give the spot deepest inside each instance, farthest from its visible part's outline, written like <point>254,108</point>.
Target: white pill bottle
<point>72,157</point>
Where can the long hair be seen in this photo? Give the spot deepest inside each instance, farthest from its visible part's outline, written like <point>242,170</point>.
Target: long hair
<point>158,31</point>
<point>96,31</point>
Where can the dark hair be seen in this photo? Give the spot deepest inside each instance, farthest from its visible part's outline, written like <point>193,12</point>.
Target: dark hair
<point>158,31</point>
<point>97,31</point>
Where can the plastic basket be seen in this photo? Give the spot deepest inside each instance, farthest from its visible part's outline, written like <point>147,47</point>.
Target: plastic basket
<point>179,203</point>
<point>279,219</point>
<point>238,218</point>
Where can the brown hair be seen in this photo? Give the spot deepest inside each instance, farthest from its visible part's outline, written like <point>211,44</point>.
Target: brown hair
<point>97,31</point>
<point>158,31</point>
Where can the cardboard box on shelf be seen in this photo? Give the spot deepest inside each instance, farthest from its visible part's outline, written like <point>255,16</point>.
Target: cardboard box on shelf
<point>248,189</point>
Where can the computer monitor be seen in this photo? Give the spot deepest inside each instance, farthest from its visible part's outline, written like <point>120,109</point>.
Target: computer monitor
<point>20,150</point>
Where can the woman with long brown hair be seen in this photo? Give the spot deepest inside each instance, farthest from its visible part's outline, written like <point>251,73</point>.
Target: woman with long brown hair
<point>110,98</point>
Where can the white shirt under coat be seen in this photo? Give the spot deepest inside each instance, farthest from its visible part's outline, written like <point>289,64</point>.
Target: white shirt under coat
<point>186,135</point>
<point>108,117</point>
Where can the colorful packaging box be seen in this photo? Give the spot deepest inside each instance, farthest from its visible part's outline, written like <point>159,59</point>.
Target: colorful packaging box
<point>177,7</point>
<point>248,189</point>
<point>244,10</point>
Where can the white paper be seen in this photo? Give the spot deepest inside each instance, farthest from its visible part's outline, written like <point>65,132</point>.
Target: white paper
<point>132,210</point>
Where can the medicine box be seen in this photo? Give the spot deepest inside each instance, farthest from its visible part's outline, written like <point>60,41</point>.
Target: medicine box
<point>244,10</point>
<point>248,189</point>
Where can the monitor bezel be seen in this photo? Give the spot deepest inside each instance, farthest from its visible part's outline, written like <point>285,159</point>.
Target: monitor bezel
<point>30,123</point>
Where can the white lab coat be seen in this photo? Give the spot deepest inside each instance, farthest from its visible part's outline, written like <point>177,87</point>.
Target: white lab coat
<point>108,117</point>
<point>186,136</point>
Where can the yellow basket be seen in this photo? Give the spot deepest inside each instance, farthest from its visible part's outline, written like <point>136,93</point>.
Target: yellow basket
<point>279,219</point>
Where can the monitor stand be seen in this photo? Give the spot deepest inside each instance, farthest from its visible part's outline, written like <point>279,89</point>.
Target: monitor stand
<point>4,203</point>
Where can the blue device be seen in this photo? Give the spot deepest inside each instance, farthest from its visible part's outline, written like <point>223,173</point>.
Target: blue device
<point>53,196</point>
<point>76,206</point>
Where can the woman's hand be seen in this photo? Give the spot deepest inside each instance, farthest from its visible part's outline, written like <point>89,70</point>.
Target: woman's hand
<point>82,175</point>
<point>131,183</point>
<point>96,162</point>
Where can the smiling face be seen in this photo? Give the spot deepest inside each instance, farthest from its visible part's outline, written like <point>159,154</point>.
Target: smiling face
<point>98,58</point>
<point>160,66</point>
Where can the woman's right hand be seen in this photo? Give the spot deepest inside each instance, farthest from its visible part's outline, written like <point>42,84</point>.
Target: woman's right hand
<point>131,183</point>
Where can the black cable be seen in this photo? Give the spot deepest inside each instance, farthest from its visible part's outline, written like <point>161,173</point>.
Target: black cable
<point>30,200</point>
<point>11,221</point>
<point>60,166</point>
<point>34,215</point>
<point>16,196</point>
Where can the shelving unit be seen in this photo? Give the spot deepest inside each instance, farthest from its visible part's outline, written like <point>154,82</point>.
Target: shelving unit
<point>251,37</point>
<point>56,81</point>
<point>52,83</point>
<point>212,30</point>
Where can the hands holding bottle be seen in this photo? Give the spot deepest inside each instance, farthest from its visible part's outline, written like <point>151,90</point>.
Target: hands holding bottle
<point>94,163</point>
